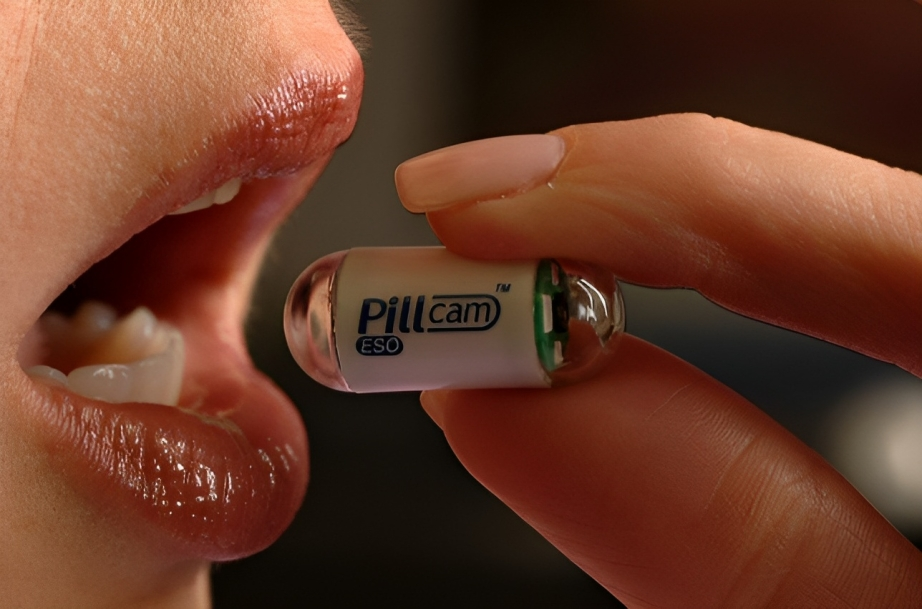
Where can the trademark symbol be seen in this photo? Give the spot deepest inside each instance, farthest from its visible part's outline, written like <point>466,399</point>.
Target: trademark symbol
<point>503,287</point>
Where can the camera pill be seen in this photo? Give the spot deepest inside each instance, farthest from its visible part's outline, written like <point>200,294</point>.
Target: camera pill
<point>414,318</point>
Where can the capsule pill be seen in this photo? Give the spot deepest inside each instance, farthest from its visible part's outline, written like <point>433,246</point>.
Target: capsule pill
<point>408,319</point>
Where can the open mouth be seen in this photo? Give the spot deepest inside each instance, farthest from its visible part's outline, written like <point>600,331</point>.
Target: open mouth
<point>141,389</point>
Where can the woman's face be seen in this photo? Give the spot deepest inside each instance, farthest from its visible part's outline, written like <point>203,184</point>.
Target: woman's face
<point>113,115</point>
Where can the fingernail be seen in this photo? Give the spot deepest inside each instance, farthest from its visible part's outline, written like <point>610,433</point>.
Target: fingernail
<point>478,171</point>
<point>434,407</point>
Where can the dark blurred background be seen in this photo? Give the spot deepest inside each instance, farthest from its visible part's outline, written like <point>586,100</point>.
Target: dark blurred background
<point>390,516</point>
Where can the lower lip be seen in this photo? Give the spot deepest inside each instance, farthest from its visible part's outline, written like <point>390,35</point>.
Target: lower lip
<point>211,488</point>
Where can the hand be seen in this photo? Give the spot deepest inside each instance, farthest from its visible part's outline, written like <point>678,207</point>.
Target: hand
<point>664,485</point>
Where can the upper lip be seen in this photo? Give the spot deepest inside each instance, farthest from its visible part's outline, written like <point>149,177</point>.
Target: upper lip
<point>222,476</point>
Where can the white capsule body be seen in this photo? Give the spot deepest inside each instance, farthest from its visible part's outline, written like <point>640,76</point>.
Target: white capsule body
<point>409,319</point>
<point>423,318</point>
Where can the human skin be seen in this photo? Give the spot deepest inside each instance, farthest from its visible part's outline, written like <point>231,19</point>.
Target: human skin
<point>111,116</point>
<point>97,128</point>
<point>665,486</point>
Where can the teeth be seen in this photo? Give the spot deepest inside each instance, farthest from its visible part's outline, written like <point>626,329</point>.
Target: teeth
<point>227,191</point>
<point>133,359</point>
<point>221,195</point>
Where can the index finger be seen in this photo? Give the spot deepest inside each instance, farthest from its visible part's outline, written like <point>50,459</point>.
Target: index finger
<point>773,227</point>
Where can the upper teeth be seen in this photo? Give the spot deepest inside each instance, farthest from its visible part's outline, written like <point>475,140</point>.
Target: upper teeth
<point>133,359</point>
<point>219,196</point>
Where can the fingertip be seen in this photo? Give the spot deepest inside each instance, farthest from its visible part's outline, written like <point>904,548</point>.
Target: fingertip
<point>433,404</point>
<point>481,170</point>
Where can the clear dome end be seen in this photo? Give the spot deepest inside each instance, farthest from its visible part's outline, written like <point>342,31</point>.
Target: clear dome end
<point>588,322</point>
<point>309,322</point>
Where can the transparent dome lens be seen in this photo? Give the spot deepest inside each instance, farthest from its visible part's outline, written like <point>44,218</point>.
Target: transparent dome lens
<point>309,322</point>
<point>579,316</point>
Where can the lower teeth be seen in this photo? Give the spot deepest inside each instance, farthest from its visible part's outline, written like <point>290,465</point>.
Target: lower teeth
<point>132,359</point>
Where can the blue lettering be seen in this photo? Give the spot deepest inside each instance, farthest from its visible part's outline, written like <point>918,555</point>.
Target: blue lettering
<point>405,315</point>
<point>389,326</point>
<point>363,345</point>
<point>447,313</point>
<point>454,313</point>
<point>438,305</point>
<point>418,314</point>
<point>379,345</point>
<point>476,306</point>
<point>366,314</point>
<point>461,308</point>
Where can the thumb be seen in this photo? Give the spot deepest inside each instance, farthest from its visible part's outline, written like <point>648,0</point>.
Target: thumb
<point>672,491</point>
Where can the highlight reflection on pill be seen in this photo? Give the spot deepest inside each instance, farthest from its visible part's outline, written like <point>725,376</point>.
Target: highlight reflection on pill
<point>409,319</point>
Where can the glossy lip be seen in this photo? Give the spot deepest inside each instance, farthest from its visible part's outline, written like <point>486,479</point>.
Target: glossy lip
<point>221,476</point>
